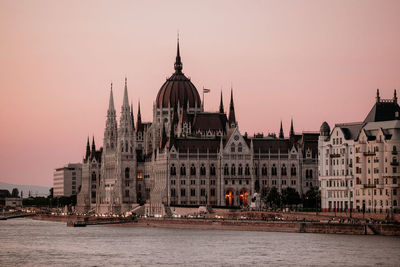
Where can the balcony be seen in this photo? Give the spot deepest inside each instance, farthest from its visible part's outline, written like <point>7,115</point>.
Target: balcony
<point>369,153</point>
<point>334,155</point>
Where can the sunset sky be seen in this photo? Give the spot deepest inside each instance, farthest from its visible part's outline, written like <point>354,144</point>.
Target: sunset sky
<point>314,61</point>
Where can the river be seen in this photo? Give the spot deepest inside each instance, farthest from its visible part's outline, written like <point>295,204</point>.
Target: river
<point>26,242</point>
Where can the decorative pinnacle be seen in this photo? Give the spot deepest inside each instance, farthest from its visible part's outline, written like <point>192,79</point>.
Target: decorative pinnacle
<point>178,63</point>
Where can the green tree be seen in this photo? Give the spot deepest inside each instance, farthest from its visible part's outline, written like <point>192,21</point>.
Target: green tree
<point>311,198</point>
<point>274,197</point>
<point>15,192</point>
<point>290,196</point>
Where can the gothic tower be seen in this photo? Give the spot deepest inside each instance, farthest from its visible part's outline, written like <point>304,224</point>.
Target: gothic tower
<point>108,168</point>
<point>126,157</point>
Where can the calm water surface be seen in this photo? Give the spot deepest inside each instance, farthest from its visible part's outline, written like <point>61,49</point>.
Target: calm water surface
<point>25,242</point>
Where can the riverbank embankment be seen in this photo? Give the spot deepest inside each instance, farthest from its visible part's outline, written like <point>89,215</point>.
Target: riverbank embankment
<point>239,225</point>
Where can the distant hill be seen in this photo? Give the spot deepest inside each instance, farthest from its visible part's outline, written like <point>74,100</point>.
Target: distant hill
<point>36,190</point>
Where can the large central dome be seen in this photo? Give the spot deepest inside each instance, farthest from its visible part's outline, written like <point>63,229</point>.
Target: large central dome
<point>178,89</point>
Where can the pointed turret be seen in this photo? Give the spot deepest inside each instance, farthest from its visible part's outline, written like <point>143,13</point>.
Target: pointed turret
<point>87,149</point>
<point>93,146</point>
<point>221,105</point>
<point>281,135</point>
<point>125,119</point>
<point>111,101</point>
<point>110,132</point>
<point>232,117</point>
<point>139,119</point>
<point>378,98</point>
<point>132,118</point>
<point>178,63</point>
<point>125,131</point>
<point>291,133</point>
<point>126,101</point>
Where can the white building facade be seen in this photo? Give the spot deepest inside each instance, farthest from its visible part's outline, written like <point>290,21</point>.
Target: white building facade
<point>358,163</point>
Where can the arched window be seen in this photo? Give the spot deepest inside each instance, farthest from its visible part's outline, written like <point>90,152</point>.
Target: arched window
<point>183,169</point>
<point>173,169</point>
<point>307,173</point>
<point>212,169</point>
<point>283,170</point>
<point>240,169</point>
<point>264,170</point>
<point>226,169</point>
<point>192,170</point>
<point>232,147</point>
<point>293,170</point>
<point>310,174</point>
<point>273,170</point>
<point>247,170</point>
<point>93,177</point>
<point>126,146</point>
<point>240,148</point>
<point>256,170</point>
<point>127,173</point>
<point>233,169</point>
<point>122,146</point>
<point>202,170</point>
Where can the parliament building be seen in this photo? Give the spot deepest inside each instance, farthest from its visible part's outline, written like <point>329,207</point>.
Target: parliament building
<point>187,156</point>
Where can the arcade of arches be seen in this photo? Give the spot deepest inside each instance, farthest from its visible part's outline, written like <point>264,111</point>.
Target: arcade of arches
<point>230,198</point>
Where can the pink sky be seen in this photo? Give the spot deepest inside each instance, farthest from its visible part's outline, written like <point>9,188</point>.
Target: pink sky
<point>314,61</point>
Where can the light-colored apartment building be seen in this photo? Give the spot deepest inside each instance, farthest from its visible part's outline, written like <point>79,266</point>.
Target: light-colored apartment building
<point>67,179</point>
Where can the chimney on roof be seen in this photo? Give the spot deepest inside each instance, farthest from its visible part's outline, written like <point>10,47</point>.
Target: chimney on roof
<point>395,96</point>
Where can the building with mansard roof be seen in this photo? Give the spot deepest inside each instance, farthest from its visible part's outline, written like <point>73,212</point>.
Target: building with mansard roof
<point>358,162</point>
<point>188,156</point>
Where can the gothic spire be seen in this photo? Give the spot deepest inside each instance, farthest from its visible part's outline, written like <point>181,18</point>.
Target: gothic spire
<point>291,133</point>
<point>93,146</point>
<point>111,102</point>
<point>221,105</point>
<point>281,132</point>
<point>378,98</point>
<point>87,149</point>
<point>139,115</point>
<point>126,101</point>
<point>139,119</point>
<point>132,117</point>
<point>232,117</point>
<point>178,62</point>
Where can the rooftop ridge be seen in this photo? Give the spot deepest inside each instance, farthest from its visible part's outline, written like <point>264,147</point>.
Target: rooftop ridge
<point>348,123</point>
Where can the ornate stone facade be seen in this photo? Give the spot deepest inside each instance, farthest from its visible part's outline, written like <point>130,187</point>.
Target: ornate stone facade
<point>187,156</point>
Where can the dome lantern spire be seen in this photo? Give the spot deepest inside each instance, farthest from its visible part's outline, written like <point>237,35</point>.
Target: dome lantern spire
<point>178,62</point>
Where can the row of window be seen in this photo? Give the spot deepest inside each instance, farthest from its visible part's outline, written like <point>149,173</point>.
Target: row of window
<point>232,170</point>
<point>193,192</point>
<point>333,183</point>
<point>387,193</point>
<point>193,182</point>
